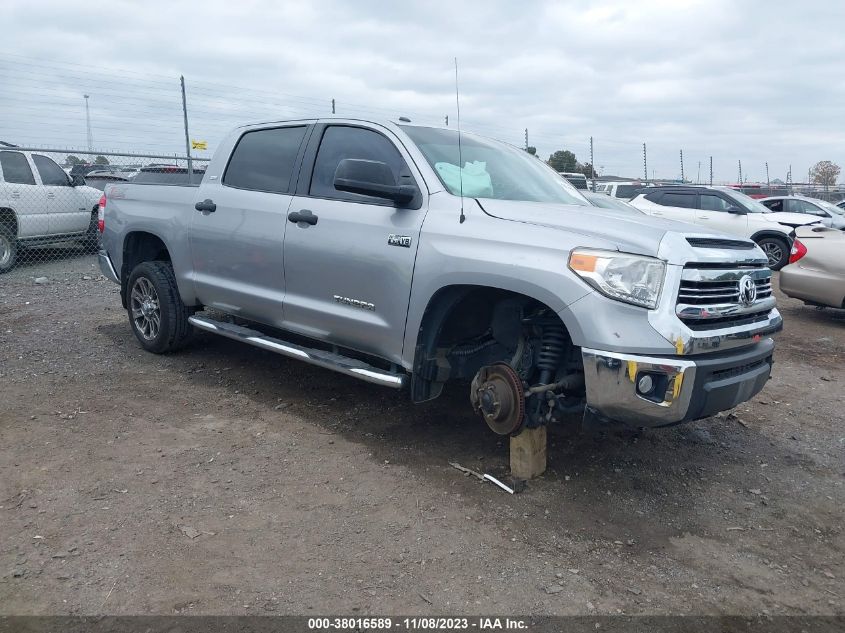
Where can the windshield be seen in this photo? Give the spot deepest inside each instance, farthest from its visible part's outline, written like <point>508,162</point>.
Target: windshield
<point>749,204</point>
<point>829,207</point>
<point>491,169</point>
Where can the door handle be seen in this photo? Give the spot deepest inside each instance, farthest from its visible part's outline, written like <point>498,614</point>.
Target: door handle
<point>303,217</point>
<point>51,195</point>
<point>704,217</point>
<point>206,206</point>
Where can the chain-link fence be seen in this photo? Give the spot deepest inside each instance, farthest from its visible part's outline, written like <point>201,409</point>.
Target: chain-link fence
<point>49,198</point>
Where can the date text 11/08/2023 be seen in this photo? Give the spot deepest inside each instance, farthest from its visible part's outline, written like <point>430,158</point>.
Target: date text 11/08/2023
<point>416,623</point>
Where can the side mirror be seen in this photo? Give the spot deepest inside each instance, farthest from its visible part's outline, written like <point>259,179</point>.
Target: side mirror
<point>737,210</point>
<point>77,180</point>
<point>371,178</point>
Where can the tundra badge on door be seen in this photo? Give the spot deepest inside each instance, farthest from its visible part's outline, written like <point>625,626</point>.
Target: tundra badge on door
<point>399,240</point>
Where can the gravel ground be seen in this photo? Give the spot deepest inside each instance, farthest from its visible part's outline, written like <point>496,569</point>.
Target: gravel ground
<point>227,480</point>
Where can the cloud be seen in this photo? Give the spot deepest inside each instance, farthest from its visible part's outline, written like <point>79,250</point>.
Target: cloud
<point>746,81</point>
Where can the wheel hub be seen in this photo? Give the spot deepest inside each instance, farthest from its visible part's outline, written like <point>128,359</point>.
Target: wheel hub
<point>498,395</point>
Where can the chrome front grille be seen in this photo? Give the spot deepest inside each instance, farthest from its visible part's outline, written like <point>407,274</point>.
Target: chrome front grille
<point>712,297</point>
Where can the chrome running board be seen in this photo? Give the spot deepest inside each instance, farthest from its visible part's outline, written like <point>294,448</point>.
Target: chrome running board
<point>321,358</point>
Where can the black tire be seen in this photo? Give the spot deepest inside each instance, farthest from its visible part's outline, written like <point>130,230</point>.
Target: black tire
<point>8,249</point>
<point>91,241</point>
<point>152,297</point>
<point>776,250</point>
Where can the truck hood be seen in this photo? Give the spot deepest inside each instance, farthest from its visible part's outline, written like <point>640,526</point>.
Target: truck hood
<point>630,232</point>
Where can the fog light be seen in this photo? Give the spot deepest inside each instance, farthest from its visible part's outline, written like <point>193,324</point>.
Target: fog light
<point>645,384</point>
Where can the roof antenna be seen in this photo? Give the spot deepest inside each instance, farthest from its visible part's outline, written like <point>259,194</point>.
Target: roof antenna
<point>460,153</point>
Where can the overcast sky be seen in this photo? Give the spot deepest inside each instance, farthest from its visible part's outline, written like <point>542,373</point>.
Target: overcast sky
<point>736,79</point>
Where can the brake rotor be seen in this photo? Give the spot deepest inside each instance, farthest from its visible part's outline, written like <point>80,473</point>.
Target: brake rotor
<point>498,395</point>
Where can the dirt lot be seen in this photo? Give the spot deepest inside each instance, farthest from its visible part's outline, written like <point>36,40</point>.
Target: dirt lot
<point>225,479</point>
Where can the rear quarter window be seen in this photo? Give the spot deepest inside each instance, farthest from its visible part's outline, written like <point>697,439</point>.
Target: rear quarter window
<point>16,169</point>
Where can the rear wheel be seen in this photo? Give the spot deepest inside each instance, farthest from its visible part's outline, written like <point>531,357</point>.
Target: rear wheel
<point>158,317</point>
<point>776,250</point>
<point>8,249</point>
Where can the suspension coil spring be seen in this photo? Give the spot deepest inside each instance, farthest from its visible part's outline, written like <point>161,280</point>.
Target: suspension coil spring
<point>552,345</point>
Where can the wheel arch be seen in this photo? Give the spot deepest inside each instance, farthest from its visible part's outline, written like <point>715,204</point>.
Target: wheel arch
<point>138,247</point>
<point>759,235</point>
<point>9,219</point>
<point>441,315</point>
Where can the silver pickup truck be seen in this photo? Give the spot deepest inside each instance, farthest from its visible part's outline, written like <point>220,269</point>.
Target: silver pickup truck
<point>406,256</point>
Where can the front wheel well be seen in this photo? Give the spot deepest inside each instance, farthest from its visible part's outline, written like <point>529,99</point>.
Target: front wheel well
<point>468,327</point>
<point>759,235</point>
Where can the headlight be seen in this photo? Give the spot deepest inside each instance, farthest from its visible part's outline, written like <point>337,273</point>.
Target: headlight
<point>629,278</point>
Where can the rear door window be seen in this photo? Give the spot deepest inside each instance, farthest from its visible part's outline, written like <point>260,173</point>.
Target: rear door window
<point>683,200</point>
<point>773,205</point>
<point>16,169</point>
<point>263,160</point>
<point>51,174</point>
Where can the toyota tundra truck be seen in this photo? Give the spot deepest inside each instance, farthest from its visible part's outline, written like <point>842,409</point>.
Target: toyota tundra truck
<point>412,256</point>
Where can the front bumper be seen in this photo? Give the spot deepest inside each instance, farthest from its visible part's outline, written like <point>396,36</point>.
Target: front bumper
<point>106,267</point>
<point>684,388</point>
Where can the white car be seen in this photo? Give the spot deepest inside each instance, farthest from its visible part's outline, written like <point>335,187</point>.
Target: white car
<point>41,204</point>
<point>829,214</point>
<point>722,209</point>
<point>620,189</point>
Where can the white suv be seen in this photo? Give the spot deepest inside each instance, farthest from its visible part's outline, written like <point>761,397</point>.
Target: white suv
<point>41,204</point>
<point>728,211</point>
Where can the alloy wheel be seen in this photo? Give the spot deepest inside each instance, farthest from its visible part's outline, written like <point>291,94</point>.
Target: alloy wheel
<point>146,312</point>
<point>773,252</point>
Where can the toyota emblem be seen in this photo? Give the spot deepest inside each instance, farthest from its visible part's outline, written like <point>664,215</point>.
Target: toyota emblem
<point>747,291</point>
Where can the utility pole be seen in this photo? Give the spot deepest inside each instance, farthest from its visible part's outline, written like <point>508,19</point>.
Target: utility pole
<point>682,167</point>
<point>711,171</point>
<point>89,136</point>
<point>526,138</point>
<point>447,120</point>
<point>187,136</point>
<point>592,166</point>
<point>740,172</point>
<point>332,106</point>
<point>698,176</point>
<point>768,182</point>
<point>789,179</point>
<point>645,164</point>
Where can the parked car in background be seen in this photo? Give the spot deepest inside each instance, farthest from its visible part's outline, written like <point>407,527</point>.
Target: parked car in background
<point>841,205</point>
<point>729,211</point>
<point>41,204</point>
<point>168,175</point>
<point>99,179</point>
<point>577,180</point>
<point>829,214</point>
<point>623,190</point>
<point>83,169</point>
<point>816,270</point>
<point>604,201</point>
